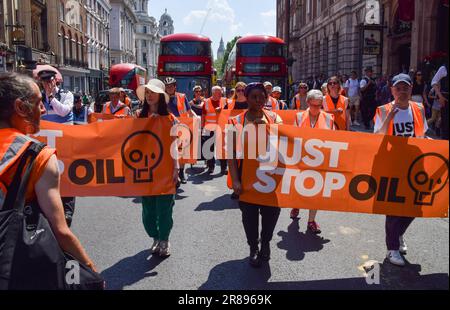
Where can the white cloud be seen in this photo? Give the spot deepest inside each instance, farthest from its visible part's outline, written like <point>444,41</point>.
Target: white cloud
<point>269,14</point>
<point>219,12</point>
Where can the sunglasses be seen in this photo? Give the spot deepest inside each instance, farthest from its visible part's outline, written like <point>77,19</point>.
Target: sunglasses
<point>303,87</point>
<point>333,83</point>
<point>239,90</point>
<point>419,74</point>
<point>197,91</point>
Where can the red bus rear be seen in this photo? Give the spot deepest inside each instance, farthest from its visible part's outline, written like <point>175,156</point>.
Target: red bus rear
<point>129,76</point>
<point>187,58</point>
<point>257,59</point>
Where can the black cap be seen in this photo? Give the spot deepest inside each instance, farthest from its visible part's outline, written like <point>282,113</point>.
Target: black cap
<point>402,77</point>
<point>47,75</point>
<point>76,97</point>
<point>369,68</point>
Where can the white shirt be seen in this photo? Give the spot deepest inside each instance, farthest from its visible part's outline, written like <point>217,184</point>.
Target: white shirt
<point>440,74</point>
<point>403,123</point>
<point>363,82</point>
<point>353,87</point>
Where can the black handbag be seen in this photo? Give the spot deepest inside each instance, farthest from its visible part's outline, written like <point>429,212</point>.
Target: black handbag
<point>30,256</point>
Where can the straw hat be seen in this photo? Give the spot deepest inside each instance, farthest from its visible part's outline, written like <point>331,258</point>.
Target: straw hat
<point>155,86</point>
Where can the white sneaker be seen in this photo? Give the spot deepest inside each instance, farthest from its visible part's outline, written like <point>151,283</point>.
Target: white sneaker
<point>403,247</point>
<point>155,247</point>
<point>356,123</point>
<point>395,258</point>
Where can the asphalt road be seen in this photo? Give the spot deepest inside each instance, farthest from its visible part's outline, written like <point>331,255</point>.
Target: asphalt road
<point>209,249</point>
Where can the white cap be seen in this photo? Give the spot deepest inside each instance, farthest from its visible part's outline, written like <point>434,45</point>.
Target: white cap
<point>155,86</point>
<point>267,83</point>
<point>276,89</point>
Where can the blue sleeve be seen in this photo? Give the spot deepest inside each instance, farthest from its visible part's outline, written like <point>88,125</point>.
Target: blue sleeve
<point>186,103</point>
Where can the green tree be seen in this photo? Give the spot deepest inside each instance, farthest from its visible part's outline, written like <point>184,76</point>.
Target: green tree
<point>230,46</point>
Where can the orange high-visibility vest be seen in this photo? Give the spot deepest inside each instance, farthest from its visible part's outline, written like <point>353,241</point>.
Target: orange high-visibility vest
<point>297,102</point>
<point>240,119</point>
<point>339,118</point>
<point>274,104</point>
<point>418,113</point>
<point>211,115</point>
<point>12,145</point>
<point>324,120</point>
<point>119,112</point>
<point>231,104</point>
<point>181,105</point>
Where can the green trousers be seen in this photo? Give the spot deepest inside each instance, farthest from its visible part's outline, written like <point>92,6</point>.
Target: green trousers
<point>157,215</point>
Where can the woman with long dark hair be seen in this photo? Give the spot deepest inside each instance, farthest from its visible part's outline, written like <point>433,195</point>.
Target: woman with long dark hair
<point>157,210</point>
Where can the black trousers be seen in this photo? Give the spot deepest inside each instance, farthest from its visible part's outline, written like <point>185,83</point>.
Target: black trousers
<point>368,108</point>
<point>69,208</point>
<point>250,220</point>
<point>211,163</point>
<point>395,227</point>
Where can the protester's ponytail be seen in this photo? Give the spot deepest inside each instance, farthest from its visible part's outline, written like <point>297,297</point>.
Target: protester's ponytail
<point>145,110</point>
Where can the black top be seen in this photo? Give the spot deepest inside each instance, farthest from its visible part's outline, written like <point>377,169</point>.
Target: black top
<point>418,89</point>
<point>241,105</point>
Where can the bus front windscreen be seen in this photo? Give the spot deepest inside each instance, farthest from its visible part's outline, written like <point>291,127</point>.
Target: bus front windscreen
<point>185,48</point>
<point>261,50</point>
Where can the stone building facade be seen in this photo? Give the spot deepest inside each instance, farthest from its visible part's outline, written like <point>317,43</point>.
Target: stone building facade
<point>332,36</point>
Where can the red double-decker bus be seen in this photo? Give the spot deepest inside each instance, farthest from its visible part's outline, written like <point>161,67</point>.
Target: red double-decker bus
<point>188,59</point>
<point>257,59</point>
<point>129,76</point>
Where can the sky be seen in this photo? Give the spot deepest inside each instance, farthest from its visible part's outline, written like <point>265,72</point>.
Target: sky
<point>227,18</point>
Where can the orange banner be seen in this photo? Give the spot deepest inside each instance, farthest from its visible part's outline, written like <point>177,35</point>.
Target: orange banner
<point>128,157</point>
<point>189,139</point>
<point>99,117</point>
<point>350,172</point>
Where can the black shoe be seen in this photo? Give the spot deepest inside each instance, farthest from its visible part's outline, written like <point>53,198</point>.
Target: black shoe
<point>223,171</point>
<point>182,177</point>
<point>234,196</point>
<point>178,184</point>
<point>264,254</point>
<point>254,260</point>
<point>210,170</point>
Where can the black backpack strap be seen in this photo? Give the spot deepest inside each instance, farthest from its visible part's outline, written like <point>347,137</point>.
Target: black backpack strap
<point>17,189</point>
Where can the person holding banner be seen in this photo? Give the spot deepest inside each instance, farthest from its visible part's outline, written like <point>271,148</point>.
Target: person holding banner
<point>21,108</point>
<point>115,106</point>
<point>213,106</point>
<point>337,104</point>
<point>313,117</point>
<point>238,102</point>
<point>179,106</point>
<point>403,118</point>
<point>257,97</point>
<point>157,210</point>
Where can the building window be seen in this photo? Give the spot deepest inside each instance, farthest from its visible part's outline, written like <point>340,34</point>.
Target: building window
<point>35,32</point>
<point>144,58</point>
<point>144,43</point>
<point>144,29</point>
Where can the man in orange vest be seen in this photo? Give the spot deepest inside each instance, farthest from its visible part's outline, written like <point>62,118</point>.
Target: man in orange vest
<point>313,117</point>
<point>179,106</point>
<point>115,106</point>
<point>337,104</point>
<point>272,103</point>
<point>21,108</point>
<point>404,118</point>
<point>211,110</point>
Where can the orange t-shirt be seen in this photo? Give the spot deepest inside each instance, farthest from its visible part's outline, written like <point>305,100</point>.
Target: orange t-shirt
<point>40,164</point>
